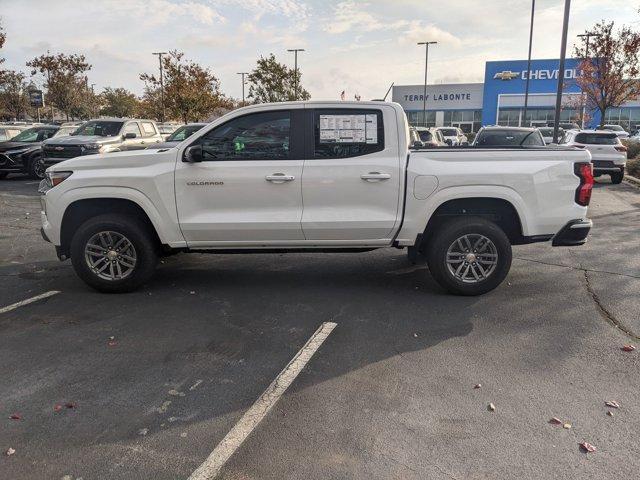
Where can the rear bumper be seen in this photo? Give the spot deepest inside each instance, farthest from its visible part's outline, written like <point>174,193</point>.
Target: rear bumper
<point>573,233</point>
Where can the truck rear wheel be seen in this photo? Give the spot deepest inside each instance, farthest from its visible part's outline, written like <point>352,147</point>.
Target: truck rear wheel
<point>469,256</point>
<point>617,177</point>
<point>113,253</point>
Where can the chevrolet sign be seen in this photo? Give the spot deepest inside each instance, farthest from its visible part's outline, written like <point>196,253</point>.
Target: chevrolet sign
<point>506,75</point>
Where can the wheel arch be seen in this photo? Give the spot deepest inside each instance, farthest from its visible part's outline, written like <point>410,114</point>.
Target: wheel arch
<point>79,211</point>
<point>498,210</point>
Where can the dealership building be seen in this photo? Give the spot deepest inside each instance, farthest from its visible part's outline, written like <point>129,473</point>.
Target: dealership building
<point>500,99</point>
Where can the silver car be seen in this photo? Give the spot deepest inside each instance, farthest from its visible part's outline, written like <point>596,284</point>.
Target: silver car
<point>102,136</point>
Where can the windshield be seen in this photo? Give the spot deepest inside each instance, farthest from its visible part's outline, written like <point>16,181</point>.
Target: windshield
<point>509,138</point>
<point>166,128</point>
<point>449,132</point>
<point>64,131</point>
<point>29,135</point>
<point>597,138</point>
<point>183,132</point>
<point>425,136</point>
<point>100,128</point>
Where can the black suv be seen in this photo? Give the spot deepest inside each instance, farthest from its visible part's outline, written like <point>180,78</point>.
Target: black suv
<point>23,153</point>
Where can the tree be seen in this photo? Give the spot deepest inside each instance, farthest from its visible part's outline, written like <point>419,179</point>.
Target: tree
<point>119,102</point>
<point>3,37</point>
<point>191,91</point>
<point>65,80</point>
<point>150,103</point>
<point>14,99</point>
<point>609,77</point>
<point>272,81</point>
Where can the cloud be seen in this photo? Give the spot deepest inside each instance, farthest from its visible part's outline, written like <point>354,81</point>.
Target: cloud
<point>351,15</point>
<point>415,32</point>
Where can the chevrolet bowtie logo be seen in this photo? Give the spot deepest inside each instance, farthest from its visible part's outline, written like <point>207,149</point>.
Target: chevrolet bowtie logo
<point>506,75</point>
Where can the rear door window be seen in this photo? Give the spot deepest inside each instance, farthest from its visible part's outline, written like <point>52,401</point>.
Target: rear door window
<point>149,129</point>
<point>344,133</point>
<point>133,127</point>
<point>597,138</point>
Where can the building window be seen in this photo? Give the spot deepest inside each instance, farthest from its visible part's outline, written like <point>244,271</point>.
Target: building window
<point>467,120</point>
<point>628,118</point>
<point>515,117</point>
<point>416,118</point>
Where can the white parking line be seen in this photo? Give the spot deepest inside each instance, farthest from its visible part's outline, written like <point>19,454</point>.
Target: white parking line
<point>252,417</point>
<point>21,303</point>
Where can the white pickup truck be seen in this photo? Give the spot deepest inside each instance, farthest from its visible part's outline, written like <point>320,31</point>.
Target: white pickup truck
<point>314,176</point>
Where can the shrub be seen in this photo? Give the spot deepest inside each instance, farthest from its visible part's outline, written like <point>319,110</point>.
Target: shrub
<point>633,148</point>
<point>633,167</point>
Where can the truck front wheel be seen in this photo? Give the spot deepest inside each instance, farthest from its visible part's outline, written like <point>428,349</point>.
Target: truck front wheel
<point>469,256</point>
<point>113,253</point>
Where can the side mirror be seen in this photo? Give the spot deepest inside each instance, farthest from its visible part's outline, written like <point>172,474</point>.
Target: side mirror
<point>129,135</point>
<point>192,154</point>
<point>417,144</point>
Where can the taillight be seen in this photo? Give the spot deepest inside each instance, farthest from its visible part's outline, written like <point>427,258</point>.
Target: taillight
<point>584,171</point>
<point>621,148</point>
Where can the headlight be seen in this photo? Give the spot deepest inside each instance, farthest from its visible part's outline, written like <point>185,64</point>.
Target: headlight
<point>18,151</point>
<point>91,146</point>
<point>56,178</point>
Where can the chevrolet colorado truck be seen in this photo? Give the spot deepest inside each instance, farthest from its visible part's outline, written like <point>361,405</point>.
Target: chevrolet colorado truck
<point>314,176</point>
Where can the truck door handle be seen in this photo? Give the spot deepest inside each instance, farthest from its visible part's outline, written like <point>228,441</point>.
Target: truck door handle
<point>279,178</point>
<point>375,176</point>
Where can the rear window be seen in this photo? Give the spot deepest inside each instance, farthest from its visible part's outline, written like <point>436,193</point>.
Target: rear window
<point>449,132</point>
<point>425,135</point>
<point>597,138</point>
<point>509,138</point>
<point>342,133</point>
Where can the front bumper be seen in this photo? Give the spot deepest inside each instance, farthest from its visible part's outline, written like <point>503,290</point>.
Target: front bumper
<point>573,233</point>
<point>13,163</point>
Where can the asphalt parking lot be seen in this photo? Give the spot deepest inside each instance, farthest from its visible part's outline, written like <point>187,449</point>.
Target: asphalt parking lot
<point>146,385</point>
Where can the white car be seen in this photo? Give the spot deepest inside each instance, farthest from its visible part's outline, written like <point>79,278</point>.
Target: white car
<point>453,136</point>
<point>617,129</point>
<point>608,155</point>
<point>238,185</point>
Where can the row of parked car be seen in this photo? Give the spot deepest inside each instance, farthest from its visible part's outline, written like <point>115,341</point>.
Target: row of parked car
<point>608,154</point>
<point>30,149</point>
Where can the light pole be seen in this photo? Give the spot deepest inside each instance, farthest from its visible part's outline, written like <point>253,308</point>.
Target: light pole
<point>295,53</point>
<point>587,36</point>
<point>243,74</point>
<point>160,54</point>
<point>526,88</point>
<point>424,93</point>
<point>563,54</point>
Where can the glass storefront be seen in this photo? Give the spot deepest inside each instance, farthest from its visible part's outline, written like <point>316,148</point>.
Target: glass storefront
<point>416,119</point>
<point>467,120</point>
<point>514,117</point>
<point>628,118</point>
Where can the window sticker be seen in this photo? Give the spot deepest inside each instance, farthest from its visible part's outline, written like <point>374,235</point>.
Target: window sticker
<point>349,128</point>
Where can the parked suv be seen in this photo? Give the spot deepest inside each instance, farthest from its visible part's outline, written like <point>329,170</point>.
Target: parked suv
<point>608,155</point>
<point>102,136</point>
<point>508,137</point>
<point>427,137</point>
<point>453,135</point>
<point>22,154</point>
<point>617,129</point>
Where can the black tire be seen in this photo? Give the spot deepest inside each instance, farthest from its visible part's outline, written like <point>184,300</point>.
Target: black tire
<point>136,233</point>
<point>475,227</point>
<point>3,175</point>
<point>36,166</point>
<point>617,177</point>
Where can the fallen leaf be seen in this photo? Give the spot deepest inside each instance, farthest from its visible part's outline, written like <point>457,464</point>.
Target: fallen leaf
<point>10,451</point>
<point>57,408</point>
<point>612,404</point>
<point>566,426</point>
<point>183,434</point>
<point>628,348</point>
<point>143,431</point>
<point>175,393</point>
<point>587,447</point>
<point>610,413</point>
<point>477,385</point>
<point>415,335</point>
<point>112,338</point>
<point>491,407</point>
<point>70,405</point>
<point>555,421</point>
<point>192,292</point>
<point>112,343</point>
<point>15,416</point>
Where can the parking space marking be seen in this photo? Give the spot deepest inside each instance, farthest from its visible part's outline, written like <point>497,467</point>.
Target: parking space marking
<point>252,417</point>
<point>22,303</point>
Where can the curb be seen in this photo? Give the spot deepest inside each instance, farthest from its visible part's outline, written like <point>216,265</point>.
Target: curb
<point>632,180</point>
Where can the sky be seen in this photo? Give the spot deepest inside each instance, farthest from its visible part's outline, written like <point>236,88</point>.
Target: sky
<point>357,46</point>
